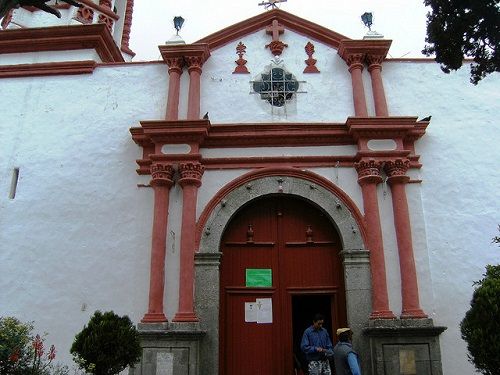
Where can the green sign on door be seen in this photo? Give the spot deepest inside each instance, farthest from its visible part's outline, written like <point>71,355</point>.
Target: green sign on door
<point>259,277</point>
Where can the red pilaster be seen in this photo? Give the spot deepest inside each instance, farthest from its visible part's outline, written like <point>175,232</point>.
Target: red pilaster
<point>355,63</point>
<point>194,70</point>
<point>162,181</point>
<point>194,61</point>
<point>127,26</point>
<point>193,56</point>
<point>190,181</point>
<point>397,179</point>
<point>375,69</point>
<point>175,65</point>
<point>368,178</point>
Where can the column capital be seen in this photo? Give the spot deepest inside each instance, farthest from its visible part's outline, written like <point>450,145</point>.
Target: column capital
<point>194,63</point>
<point>369,171</point>
<point>194,55</point>
<point>355,61</point>
<point>191,173</point>
<point>396,170</point>
<point>175,64</point>
<point>162,174</point>
<point>374,61</point>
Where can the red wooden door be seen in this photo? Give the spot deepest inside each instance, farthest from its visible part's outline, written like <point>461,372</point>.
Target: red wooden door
<point>298,243</point>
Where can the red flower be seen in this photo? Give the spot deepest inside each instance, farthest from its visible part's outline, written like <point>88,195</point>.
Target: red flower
<point>38,346</point>
<point>14,357</point>
<point>52,353</point>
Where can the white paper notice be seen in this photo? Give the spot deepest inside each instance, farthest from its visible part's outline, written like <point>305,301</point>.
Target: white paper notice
<point>265,310</point>
<point>250,312</point>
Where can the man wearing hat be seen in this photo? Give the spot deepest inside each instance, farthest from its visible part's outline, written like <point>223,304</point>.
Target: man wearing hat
<point>345,358</point>
<point>317,346</point>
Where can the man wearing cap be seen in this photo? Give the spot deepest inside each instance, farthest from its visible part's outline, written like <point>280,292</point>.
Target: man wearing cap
<point>317,346</point>
<point>345,358</point>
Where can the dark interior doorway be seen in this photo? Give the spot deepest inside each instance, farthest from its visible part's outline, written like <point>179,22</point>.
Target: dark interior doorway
<point>304,307</point>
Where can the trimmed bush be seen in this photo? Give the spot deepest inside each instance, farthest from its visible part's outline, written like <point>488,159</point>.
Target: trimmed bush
<point>481,326</point>
<point>107,344</point>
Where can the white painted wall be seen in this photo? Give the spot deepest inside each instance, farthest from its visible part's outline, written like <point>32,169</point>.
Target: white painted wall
<point>460,195</point>
<point>230,98</point>
<point>79,229</point>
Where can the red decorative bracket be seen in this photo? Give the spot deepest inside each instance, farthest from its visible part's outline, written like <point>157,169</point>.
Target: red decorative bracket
<point>240,63</point>
<point>310,62</point>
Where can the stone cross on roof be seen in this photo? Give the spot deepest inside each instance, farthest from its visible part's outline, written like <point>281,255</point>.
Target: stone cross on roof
<point>275,30</point>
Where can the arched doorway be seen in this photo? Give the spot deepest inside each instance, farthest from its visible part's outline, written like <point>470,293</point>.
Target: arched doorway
<point>279,251</point>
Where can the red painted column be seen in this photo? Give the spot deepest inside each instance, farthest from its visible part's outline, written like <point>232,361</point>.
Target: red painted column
<point>175,66</point>
<point>355,62</point>
<point>127,26</point>
<point>194,64</point>
<point>162,181</point>
<point>368,178</point>
<point>397,179</point>
<point>190,181</point>
<point>375,69</point>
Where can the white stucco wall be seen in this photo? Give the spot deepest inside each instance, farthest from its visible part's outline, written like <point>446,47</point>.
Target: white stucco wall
<point>460,193</point>
<point>230,98</point>
<point>77,235</point>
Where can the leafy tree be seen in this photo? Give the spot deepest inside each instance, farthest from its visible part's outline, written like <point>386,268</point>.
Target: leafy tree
<point>458,28</point>
<point>481,326</point>
<point>14,343</point>
<point>107,345</point>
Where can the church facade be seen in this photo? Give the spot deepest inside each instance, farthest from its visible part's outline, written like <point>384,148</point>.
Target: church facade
<point>224,194</point>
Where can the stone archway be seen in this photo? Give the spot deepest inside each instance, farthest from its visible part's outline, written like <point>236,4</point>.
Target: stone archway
<point>306,185</point>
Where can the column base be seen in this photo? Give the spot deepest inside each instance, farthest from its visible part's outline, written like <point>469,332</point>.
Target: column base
<point>385,341</point>
<point>413,314</point>
<point>154,318</point>
<point>382,314</point>
<point>185,317</point>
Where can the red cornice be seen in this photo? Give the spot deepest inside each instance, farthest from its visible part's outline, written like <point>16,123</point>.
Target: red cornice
<point>152,135</point>
<point>174,131</point>
<point>290,21</point>
<point>61,38</point>
<point>385,127</point>
<point>47,69</point>
<point>296,134</point>
<point>200,50</point>
<point>374,47</point>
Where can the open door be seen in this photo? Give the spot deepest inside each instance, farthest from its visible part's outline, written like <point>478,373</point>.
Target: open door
<point>294,242</point>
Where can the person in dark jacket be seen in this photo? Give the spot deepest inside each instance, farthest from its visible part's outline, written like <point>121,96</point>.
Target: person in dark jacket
<point>317,347</point>
<point>345,358</point>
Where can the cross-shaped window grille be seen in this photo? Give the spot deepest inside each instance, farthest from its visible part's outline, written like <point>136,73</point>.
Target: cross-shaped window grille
<point>276,87</point>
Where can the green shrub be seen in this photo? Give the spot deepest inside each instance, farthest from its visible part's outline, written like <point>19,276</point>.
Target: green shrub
<point>481,326</point>
<point>107,344</point>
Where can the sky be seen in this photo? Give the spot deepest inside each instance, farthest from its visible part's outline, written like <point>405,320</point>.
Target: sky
<point>403,21</point>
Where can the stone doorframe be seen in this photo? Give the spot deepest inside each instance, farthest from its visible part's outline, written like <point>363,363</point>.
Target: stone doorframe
<point>343,214</point>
